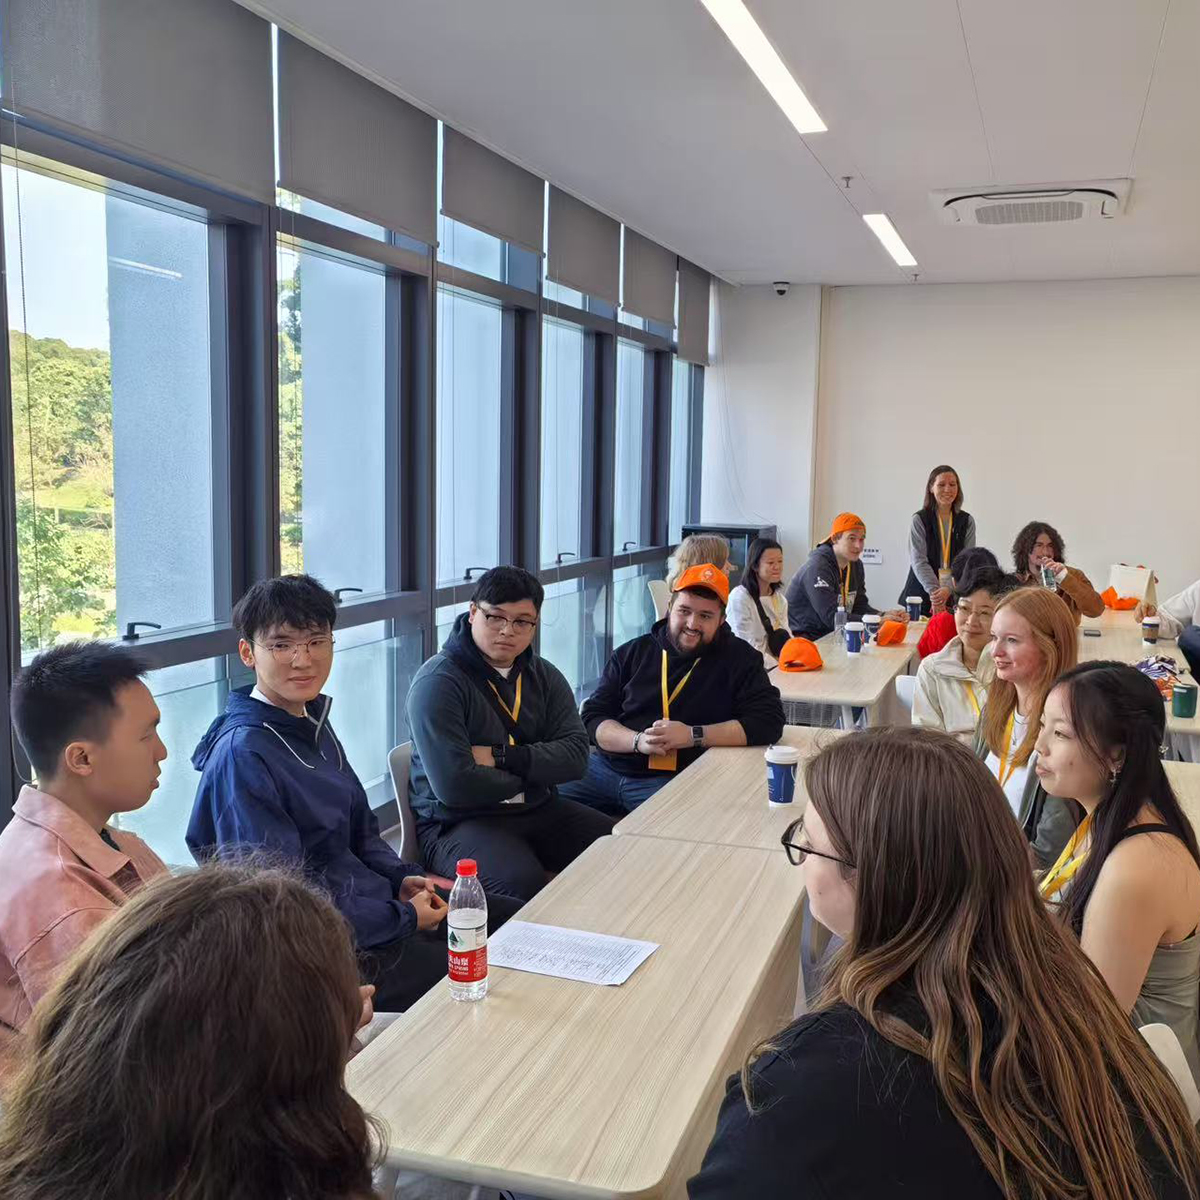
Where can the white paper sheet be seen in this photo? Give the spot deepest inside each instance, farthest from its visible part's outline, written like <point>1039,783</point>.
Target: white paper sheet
<point>567,953</point>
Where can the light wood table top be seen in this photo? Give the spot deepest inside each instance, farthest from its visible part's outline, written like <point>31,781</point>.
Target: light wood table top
<point>854,679</point>
<point>722,797</point>
<point>564,1089</point>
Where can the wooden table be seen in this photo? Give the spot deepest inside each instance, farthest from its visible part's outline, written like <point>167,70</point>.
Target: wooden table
<point>721,798</point>
<point>562,1089</point>
<point>850,680</point>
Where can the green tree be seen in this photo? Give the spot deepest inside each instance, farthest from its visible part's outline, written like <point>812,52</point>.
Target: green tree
<point>291,422</point>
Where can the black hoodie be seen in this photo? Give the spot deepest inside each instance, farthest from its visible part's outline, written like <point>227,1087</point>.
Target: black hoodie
<point>451,708</point>
<point>730,683</point>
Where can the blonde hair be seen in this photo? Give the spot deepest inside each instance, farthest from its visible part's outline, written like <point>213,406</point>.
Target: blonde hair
<point>694,550</point>
<point>1055,635</point>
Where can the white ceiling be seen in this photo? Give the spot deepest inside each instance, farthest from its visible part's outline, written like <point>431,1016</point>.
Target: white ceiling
<point>644,109</point>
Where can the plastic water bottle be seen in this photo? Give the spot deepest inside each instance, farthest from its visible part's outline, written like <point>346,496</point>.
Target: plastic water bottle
<point>466,927</point>
<point>839,623</point>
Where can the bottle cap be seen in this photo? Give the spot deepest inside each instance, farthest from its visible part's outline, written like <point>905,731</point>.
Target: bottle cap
<point>466,866</point>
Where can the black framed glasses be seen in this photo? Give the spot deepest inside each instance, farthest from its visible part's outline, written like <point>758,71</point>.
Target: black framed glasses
<point>797,853</point>
<point>498,622</point>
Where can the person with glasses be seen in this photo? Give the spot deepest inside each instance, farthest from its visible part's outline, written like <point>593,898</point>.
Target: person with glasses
<point>962,1045</point>
<point>495,731</point>
<point>275,778</point>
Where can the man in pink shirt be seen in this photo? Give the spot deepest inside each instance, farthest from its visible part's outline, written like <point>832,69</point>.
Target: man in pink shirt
<point>89,727</point>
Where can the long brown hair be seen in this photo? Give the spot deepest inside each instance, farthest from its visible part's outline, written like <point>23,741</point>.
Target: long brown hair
<point>1056,636</point>
<point>929,501</point>
<point>1037,1062</point>
<point>194,1049</point>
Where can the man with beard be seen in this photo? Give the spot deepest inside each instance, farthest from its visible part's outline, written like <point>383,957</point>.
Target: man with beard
<point>667,696</point>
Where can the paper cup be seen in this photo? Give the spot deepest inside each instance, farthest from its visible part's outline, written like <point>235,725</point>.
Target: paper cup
<point>871,624</point>
<point>782,762</point>
<point>854,637</point>
<point>1183,700</point>
<point>914,605</point>
<point>1150,631</point>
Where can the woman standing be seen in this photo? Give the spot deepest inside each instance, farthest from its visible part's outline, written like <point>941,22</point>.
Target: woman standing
<point>1128,882</point>
<point>1040,546</point>
<point>940,531</point>
<point>758,611</point>
<point>1033,642</point>
<point>963,1046</point>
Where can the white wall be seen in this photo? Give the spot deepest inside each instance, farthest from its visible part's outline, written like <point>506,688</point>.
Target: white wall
<point>760,397</point>
<point>1073,403</point>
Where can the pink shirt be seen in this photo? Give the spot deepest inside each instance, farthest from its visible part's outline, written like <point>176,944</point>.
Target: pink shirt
<point>58,881</point>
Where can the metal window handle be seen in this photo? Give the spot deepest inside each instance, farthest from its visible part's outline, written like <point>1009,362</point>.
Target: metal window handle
<point>625,546</point>
<point>467,572</point>
<point>563,554</point>
<point>337,593</point>
<point>131,630</point>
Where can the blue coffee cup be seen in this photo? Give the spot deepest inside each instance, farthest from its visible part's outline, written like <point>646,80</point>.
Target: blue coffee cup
<point>782,763</point>
<point>871,623</point>
<point>915,604</point>
<point>854,637</point>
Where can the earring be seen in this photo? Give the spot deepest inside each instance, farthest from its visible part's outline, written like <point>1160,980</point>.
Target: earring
<point>1112,775</point>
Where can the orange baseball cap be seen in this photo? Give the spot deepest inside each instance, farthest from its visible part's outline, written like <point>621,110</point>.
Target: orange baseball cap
<point>799,654</point>
<point>706,577</point>
<point>844,522</point>
<point>891,633</point>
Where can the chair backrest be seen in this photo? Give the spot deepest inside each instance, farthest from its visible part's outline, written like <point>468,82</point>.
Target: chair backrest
<point>398,764</point>
<point>1162,1040</point>
<point>906,686</point>
<point>660,595</point>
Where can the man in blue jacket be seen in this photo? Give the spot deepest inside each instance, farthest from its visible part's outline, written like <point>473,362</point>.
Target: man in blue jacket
<point>274,777</point>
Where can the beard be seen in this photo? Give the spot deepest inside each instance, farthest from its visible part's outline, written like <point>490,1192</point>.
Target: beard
<point>686,652</point>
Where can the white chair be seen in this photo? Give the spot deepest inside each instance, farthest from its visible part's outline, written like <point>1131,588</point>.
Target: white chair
<point>660,596</point>
<point>906,686</point>
<point>398,764</point>
<point>1162,1040</point>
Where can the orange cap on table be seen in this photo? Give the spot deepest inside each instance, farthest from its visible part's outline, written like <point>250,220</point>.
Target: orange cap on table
<point>708,578</point>
<point>891,633</point>
<point>844,522</point>
<point>799,654</point>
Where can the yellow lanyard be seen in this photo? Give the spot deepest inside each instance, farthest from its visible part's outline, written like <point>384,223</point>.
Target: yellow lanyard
<point>972,697</point>
<point>513,712</point>
<point>1064,870</point>
<point>945,534</point>
<point>845,580</point>
<point>1005,772</point>
<point>668,700</point>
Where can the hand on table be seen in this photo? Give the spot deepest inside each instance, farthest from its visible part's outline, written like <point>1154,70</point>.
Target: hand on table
<point>483,756</point>
<point>897,614</point>
<point>672,735</point>
<point>1145,610</point>
<point>431,909</point>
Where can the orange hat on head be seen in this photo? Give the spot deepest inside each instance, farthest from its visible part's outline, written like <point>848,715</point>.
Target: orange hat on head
<point>844,522</point>
<point>891,633</point>
<point>799,654</point>
<point>706,577</point>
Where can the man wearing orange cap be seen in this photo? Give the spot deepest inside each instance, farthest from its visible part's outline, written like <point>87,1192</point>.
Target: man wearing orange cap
<point>665,697</point>
<point>833,574</point>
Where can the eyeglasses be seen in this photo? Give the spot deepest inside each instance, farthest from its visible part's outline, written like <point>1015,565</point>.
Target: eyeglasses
<point>797,853</point>
<point>498,622</point>
<point>285,652</point>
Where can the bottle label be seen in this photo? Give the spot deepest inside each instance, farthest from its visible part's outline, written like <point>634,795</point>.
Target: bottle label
<point>468,954</point>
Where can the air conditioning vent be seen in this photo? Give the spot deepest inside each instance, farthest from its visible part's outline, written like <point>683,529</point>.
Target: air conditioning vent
<point>1044,204</point>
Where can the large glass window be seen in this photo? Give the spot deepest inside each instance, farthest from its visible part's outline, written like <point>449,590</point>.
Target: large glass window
<point>332,441</point>
<point>571,631</point>
<point>627,488</point>
<point>562,441</point>
<point>470,336</point>
<point>681,446</point>
<point>633,606</point>
<point>109,337</point>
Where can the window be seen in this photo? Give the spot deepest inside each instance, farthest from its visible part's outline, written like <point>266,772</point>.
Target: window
<point>108,305</point>
<point>470,337</point>
<point>571,631</point>
<point>294,202</point>
<point>627,488</point>
<point>681,449</point>
<point>633,608</point>
<point>332,434</point>
<point>470,249</point>
<point>562,441</point>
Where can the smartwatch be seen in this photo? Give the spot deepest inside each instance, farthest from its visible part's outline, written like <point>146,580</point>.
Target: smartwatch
<point>697,735</point>
<point>498,753</point>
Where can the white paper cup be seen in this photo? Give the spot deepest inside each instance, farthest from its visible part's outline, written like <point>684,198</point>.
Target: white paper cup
<point>782,763</point>
<point>854,637</point>
<point>1150,631</point>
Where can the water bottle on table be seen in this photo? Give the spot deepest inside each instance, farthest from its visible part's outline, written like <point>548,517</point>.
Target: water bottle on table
<point>466,926</point>
<point>839,624</point>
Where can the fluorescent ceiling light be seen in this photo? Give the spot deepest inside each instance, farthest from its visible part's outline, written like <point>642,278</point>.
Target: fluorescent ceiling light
<point>885,231</point>
<point>751,43</point>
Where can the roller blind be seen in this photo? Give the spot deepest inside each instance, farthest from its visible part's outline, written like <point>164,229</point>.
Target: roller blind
<point>649,289</point>
<point>491,193</point>
<point>184,85</point>
<point>585,248</point>
<point>693,313</point>
<point>345,142</point>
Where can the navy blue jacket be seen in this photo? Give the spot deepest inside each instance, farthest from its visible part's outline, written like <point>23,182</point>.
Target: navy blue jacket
<point>814,591</point>
<point>281,783</point>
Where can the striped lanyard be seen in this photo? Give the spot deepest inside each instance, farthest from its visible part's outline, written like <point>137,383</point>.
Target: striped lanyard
<point>1064,870</point>
<point>668,700</point>
<point>845,581</point>
<point>970,690</point>
<point>1006,770</point>
<point>945,533</point>
<point>513,712</point>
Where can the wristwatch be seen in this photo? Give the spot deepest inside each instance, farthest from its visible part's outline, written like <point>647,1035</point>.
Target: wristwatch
<point>697,735</point>
<point>498,754</point>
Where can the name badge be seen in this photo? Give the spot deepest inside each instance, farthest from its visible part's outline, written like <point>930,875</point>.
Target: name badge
<point>664,762</point>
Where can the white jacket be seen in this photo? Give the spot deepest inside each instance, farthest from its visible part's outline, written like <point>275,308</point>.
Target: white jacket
<point>743,618</point>
<point>1182,610</point>
<point>942,699</point>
